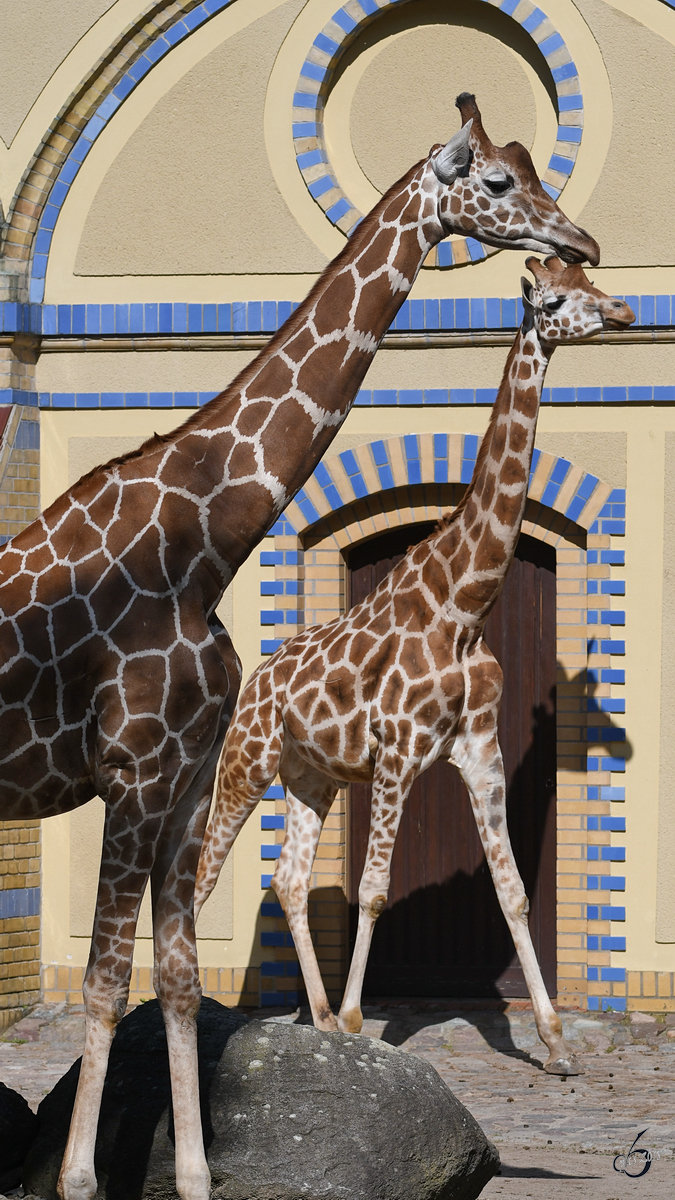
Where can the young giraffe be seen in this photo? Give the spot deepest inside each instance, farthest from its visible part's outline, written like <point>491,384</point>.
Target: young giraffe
<point>117,679</point>
<point>405,678</point>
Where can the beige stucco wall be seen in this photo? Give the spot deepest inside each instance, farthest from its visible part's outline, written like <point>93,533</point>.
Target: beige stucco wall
<point>192,193</point>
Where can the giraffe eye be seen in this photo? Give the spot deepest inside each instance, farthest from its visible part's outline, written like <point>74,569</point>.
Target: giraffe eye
<point>554,304</point>
<point>498,184</point>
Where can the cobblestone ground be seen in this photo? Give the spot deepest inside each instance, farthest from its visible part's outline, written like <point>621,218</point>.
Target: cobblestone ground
<point>557,1138</point>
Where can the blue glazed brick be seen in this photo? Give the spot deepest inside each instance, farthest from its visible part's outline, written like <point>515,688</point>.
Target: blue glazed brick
<point>436,396</point>
<point>328,45</point>
<point>194,318</point>
<point>180,318</point>
<point>613,1003</point>
<point>274,792</point>
<point>344,20</point>
<point>566,71</point>
<point>303,129</point>
<point>462,396</point>
<point>593,853</point>
<point>151,318</point>
<point>551,44</point>
<point>254,316</point>
<point>64,318</point>
<point>508,6</point>
<point>410,396</point>
<point>269,316</point>
<point>137,399</point>
<point>592,912</point>
<point>662,314</point>
<point>476,249</point>
<point>570,103</point>
<point>284,311</point>
<point>613,883</point>
<point>318,187</point>
<point>311,158</point>
<point>563,166</point>
<point>121,318</point>
<point>509,314</point>
<point>210,318</point>
<point>338,210</point>
<point>416,314</point>
<point>593,1002</point>
<point>534,19</point>
<point>447,313</point>
<point>614,974</point>
<point>112,399</point>
<point>402,319</point>
<point>161,400</point>
<point>462,314</point>
<point>239,317</point>
<point>485,395</point>
<point>592,942</point>
<point>612,912</point>
<point>63,400</point>
<point>270,645</point>
<point>432,314</point>
<point>613,854</point>
<point>270,852</point>
<point>304,100</point>
<point>272,821</point>
<point>136,318</point>
<point>493,312</point>
<point>613,824</point>
<point>592,975</point>
<point>647,310</point>
<point>49,319</point>
<point>444,254</point>
<point>313,70</point>
<point>664,394</point>
<point>477,314</point>
<point>224,318</point>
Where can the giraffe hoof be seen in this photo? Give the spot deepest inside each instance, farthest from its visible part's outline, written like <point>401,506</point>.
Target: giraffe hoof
<point>350,1021</point>
<point>567,1064</point>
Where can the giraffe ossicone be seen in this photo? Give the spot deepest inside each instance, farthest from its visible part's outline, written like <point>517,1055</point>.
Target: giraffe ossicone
<point>116,677</point>
<point>405,678</point>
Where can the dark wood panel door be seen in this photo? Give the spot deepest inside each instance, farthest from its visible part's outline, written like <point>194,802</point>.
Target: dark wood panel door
<point>442,932</point>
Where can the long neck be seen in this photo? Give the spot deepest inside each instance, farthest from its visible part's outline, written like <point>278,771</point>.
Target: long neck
<point>269,429</point>
<point>483,531</point>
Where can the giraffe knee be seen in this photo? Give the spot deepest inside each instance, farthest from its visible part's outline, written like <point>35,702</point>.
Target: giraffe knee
<point>373,906</point>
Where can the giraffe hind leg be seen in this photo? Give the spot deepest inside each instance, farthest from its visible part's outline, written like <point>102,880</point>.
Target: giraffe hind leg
<point>480,762</point>
<point>308,804</point>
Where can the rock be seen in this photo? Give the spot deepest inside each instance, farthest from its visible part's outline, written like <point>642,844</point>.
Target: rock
<point>289,1113</point>
<point>18,1126</point>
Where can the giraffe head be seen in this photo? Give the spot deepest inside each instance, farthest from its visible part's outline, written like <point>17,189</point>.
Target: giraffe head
<point>564,306</point>
<point>493,193</point>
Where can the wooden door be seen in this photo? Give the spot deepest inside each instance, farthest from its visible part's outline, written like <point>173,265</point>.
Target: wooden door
<point>443,933</point>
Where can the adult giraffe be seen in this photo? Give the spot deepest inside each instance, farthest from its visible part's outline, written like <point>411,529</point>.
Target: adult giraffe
<point>116,677</point>
<point>405,678</point>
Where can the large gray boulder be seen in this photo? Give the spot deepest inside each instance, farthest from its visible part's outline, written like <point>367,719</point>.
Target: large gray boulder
<point>289,1113</point>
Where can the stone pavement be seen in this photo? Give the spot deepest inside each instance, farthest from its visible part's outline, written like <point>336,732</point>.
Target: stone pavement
<point>556,1137</point>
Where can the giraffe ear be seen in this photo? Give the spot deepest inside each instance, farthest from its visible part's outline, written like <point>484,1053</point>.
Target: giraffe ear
<point>453,159</point>
<point>527,291</point>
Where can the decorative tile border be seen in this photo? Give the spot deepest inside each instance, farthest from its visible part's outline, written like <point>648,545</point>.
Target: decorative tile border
<point>157,44</point>
<point>368,398</point>
<point>163,319</point>
<point>314,85</point>
<point>591,850</point>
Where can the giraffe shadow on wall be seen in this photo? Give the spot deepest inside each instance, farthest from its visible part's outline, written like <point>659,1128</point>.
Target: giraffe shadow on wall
<point>443,948</point>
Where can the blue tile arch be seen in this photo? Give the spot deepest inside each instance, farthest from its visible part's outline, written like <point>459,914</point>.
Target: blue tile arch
<point>314,85</point>
<point>163,44</point>
<point>389,466</point>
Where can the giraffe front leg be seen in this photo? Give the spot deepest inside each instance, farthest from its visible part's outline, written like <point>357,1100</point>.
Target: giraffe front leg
<point>176,976</point>
<point>307,811</point>
<point>479,760</point>
<point>388,799</point>
<point>105,993</point>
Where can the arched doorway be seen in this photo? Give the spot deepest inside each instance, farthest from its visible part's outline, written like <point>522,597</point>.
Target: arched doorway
<point>442,933</point>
